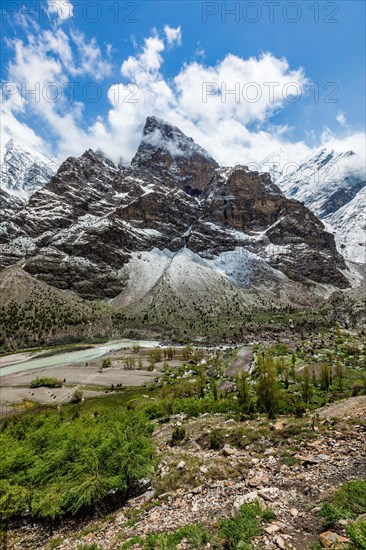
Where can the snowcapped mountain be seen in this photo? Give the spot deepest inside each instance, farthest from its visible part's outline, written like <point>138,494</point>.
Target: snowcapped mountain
<point>171,232</point>
<point>279,163</point>
<point>23,171</point>
<point>349,227</point>
<point>328,183</point>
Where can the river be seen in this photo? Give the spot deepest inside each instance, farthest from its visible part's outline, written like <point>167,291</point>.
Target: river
<point>71,357</point>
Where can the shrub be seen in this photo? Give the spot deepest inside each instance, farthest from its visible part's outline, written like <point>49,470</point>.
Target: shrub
<point>245,525</point>
<point>352,496</point>
<point>46,383</point>
<point>348,502</point>
<point>106,363</point>
<point>357,388</point>
<point>78,395</point>
<point>357,533</point>
<point>216,439</point>
<point>51,467</point>
<point>178,435</point>
<point>193,535</point>
<point>331,514</point>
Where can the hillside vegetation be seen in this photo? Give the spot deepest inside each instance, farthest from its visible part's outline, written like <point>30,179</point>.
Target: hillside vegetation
<point>199,426</point>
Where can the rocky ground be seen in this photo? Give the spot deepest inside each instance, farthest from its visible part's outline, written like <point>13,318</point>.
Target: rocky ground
<point>291,465</point>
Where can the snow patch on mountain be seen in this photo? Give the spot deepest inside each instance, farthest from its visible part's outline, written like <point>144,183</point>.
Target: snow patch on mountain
<point>349,227</point>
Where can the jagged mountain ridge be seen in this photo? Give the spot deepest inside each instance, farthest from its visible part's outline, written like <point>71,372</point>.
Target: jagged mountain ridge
<point>24,171</point>
<point>331,184</point>
<point>92,227</point>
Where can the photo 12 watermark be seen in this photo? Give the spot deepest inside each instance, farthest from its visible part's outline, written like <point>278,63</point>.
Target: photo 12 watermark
<point>271,92</point>
<point>56,12</point>
<point>270,12</point>
<point>57,92</point>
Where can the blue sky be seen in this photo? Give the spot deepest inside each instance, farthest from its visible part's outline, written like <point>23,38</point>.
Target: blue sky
<point>176,58</point>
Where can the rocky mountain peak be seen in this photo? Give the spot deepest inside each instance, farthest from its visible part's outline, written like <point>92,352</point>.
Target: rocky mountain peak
<point>23,170</point>
<point>105,231</point>
<point>166,150</point>
<point>159,135</point>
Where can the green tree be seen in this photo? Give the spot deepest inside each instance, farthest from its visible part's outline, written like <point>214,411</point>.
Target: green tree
<point>78,395</point>
<point>325,376</point>
<point>293,366</point>
<point>106,363</point>
<point>215,389</point>
<point>202,381</point>
<point>243,391</point>
<point>267,386</point>
<point>187,352</point>
<point>306,389</point>
<point>339,372</point>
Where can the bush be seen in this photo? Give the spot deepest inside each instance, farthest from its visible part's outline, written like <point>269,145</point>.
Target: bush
<point>352,496</point>
<point>357,533</point>
<point>357,388</point>
<point>106,363</point>
<point>331,514</point>
<point>348,502</point>
<point>50,467</point>
<point>216,440</point>
<point>190,406</point>
<point>78,395</point>
<point>245,525</point>
<point>46,383</point>
<point>193,535</point>
<point>178,435</point>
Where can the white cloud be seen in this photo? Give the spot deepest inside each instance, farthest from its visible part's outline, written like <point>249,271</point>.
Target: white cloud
<point>145,64</point>
<point>215,104</point>
<point>60,9</point>
<point>91,60</point>
<point>351,141</point>
<point>43,68</point>
<point>173,36</point>
<point>217,121</point>
<point>12,127</point>
<point>341,119</point>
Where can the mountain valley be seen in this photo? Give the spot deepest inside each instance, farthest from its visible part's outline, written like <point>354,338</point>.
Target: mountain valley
<point>172,239</point>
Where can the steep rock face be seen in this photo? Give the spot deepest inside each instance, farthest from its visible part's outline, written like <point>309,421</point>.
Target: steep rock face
<point>23,171</point>
<point>88,229</point>
<point>9,204</point>
<point>282,231</point>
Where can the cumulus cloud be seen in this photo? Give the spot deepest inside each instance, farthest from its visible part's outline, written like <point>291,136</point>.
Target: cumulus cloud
<point>60,9</point>
<point>12,109</point>
<point>41,78</point>
<point>226,106</point>
<point>173,36</point>
<point>210,103</point>
<point>341,119</point>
